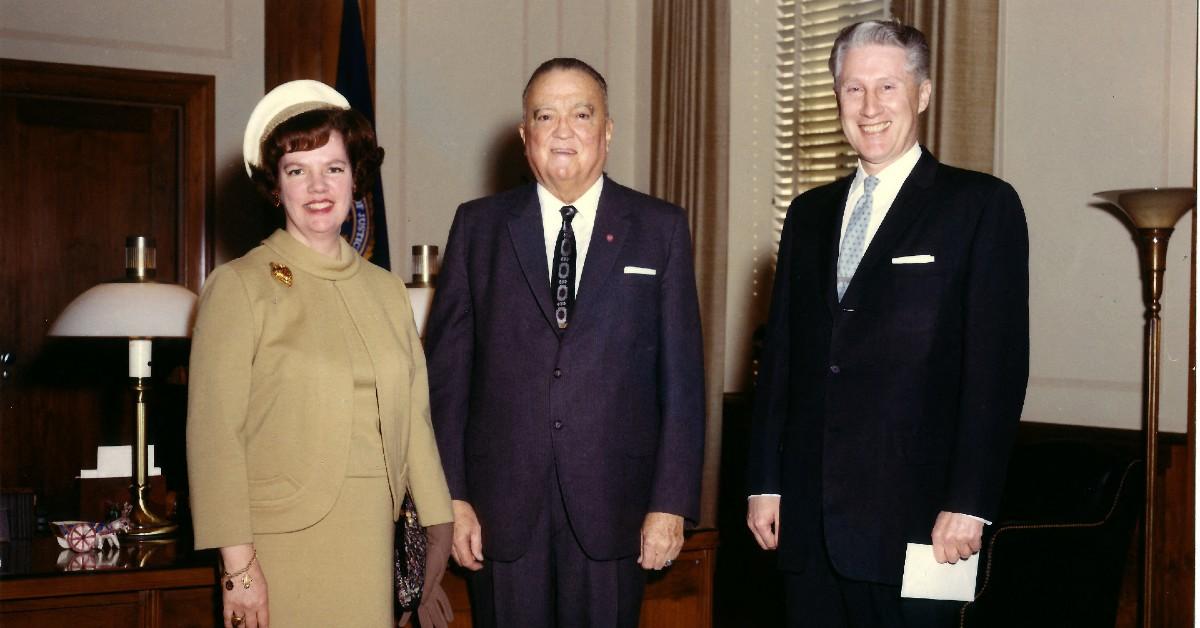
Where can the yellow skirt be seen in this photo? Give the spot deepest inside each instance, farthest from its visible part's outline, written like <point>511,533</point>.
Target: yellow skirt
<point>337,572</point>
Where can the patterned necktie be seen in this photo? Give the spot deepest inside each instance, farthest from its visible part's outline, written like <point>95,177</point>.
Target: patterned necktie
<point>854,240</point>
<point>563,282</point>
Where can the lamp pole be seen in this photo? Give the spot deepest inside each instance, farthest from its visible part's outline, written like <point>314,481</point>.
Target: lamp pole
<point>1153,212</point>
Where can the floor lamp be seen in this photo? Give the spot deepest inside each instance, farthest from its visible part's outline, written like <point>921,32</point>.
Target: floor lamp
<point>1153,212</point>
<point>140,309</point>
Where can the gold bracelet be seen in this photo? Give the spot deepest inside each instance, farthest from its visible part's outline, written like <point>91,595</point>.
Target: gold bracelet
<point>244,572</point>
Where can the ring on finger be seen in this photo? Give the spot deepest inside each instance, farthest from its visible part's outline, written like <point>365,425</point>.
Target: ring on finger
<point>236,620</point>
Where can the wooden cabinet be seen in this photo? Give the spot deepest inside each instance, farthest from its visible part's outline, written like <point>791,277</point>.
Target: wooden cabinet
<point>144,585</point>
<point>678,597</point>
<point>682,595</point>
<point>158,585</point>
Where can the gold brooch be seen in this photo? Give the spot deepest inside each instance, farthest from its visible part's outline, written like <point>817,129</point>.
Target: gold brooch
<point>282,274</point>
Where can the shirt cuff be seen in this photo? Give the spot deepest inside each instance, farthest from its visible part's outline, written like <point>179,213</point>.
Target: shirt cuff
<point>765,495</point>
<point>980,519</point>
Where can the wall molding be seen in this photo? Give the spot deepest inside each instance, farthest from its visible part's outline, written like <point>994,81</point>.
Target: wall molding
<point>1076,383</point>
<point>224,52</point>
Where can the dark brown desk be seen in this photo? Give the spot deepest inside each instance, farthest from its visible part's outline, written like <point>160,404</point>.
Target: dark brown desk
<point>150,585</point>
<point>143,585</point>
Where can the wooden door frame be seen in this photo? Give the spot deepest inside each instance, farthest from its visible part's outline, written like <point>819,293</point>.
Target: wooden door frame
<point>193,96</point>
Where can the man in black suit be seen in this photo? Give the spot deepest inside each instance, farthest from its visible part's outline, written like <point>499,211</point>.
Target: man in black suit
<point>566,376</point>
<point>896,359</point>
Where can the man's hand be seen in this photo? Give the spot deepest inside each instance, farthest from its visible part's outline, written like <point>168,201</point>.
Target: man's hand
<point>662,538</point>
<point>956,536</point>
<point>762,517</point>
<point>468,536</point>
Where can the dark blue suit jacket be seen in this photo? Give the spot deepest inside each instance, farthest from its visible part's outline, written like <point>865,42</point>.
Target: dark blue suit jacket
<point>615,402</point>
<point>875,413</point>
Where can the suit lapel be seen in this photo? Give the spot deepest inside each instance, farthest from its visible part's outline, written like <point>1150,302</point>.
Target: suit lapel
<point>608,236</point>
<point>529,241</point>
<point>908,205</point>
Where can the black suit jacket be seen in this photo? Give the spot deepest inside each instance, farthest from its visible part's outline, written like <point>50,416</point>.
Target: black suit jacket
<point>875,413</point>
<point>615,402</point>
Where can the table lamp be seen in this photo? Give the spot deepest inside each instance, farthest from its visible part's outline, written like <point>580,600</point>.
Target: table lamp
<point>140,309</point>
<point>420,289</point>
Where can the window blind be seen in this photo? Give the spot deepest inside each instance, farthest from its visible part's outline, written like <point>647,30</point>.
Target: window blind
<point>810,149</point>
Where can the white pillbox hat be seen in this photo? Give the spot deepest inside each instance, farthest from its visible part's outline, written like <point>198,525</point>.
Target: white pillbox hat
<point>281,104</point>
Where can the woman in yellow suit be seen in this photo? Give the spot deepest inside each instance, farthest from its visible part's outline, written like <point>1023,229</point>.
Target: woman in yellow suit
<point>308,405</point>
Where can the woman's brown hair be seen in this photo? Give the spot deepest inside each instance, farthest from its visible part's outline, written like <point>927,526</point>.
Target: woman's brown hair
<point>310,130</point>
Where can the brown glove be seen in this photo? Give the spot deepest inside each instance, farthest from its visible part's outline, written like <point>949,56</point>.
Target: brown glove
<point>434,610</point>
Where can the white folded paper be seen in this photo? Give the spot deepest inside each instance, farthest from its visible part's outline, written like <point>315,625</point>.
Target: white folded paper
<point>926,578</point>
<point>117,462</point>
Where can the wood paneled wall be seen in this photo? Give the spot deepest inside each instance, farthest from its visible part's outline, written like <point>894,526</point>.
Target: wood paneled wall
<point>90,156</point>
<point>302,39</point>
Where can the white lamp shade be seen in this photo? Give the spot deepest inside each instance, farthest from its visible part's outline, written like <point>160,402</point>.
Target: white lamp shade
<point>422,299</point>
<point>129,310</point>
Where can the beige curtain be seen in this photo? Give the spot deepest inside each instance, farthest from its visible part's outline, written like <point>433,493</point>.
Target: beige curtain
<point>960,126</point>
<point>689,154</point>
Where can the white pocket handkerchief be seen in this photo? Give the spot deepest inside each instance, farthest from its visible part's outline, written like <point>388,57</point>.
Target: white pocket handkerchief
<point>638,270</point>
<point>913,259</point>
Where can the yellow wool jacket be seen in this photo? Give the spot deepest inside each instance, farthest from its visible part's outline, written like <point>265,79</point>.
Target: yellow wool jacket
<point>270,392</point>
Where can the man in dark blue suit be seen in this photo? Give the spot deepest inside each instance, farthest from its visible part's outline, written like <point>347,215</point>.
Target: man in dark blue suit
<point>896,358</point>
<point>566,376</point>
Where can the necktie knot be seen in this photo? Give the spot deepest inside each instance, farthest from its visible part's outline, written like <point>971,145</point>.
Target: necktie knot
<point>869,184</point>
<point>568,212</point>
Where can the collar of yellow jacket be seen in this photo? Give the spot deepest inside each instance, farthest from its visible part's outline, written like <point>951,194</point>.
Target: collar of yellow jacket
<point>299,257</point>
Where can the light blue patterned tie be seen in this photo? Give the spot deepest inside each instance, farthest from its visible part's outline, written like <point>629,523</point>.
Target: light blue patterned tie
<point>854,240</point>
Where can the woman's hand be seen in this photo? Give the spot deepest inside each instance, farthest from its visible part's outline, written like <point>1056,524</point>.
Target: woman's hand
<point>244,607</point>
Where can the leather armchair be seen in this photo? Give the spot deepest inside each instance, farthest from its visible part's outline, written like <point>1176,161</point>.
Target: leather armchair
<point>1058,553</point>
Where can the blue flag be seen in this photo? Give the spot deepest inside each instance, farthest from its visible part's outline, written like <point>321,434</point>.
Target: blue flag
<point>366,229</point>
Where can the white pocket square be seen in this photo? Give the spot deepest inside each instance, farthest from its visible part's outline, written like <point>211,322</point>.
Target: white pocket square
<point>913,259</point>
<point>638,270</point>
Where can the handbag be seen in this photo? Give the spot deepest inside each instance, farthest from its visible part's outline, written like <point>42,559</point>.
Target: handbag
<point>409,556</point>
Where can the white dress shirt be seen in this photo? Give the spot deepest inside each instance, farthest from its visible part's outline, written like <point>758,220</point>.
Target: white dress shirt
<point>891,179</point>
<point>581,224</point>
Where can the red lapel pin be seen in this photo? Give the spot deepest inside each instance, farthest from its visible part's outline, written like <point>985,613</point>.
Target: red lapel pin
<point>609,237</point>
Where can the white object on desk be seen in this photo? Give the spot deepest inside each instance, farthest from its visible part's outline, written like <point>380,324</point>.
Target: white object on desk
<point>117,462</point>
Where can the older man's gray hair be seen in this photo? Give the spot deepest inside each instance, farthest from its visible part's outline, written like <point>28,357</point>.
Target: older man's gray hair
<point>875,32</point>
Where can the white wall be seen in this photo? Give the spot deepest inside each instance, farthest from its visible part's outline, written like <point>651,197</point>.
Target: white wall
<point>448,86</point>
<point>1096,99</point>
<point>223,38</point>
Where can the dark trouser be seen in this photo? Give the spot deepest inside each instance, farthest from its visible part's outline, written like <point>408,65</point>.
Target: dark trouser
<point>555,585</point>
<point>819,597</point>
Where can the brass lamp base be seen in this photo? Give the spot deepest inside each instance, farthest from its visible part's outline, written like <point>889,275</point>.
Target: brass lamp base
<point>143,522</point>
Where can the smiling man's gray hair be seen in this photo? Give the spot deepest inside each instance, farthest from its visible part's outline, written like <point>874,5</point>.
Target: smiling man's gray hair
<point>877,32</point>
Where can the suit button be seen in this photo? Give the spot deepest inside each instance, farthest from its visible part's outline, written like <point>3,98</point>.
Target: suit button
<point>558,425</point>
<point>835,369</point>
<point>558,372</point>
